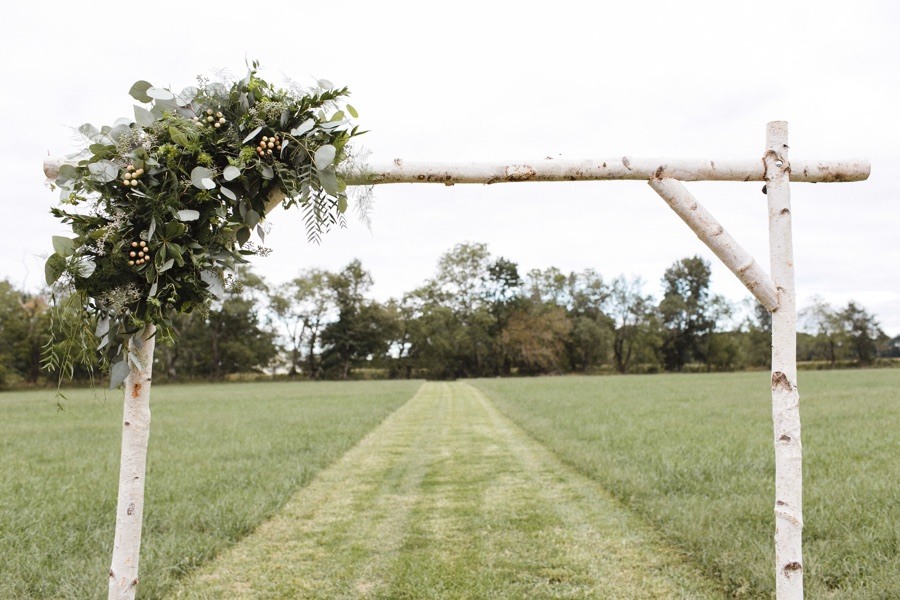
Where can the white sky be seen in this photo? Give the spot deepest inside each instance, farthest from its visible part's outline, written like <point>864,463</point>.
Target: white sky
<point>461,81</point>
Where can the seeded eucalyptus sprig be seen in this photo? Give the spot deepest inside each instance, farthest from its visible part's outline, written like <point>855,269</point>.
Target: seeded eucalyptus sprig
<point>163,205</point>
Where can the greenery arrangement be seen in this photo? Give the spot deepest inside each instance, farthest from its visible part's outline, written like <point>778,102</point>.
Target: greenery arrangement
<point>164,206</point>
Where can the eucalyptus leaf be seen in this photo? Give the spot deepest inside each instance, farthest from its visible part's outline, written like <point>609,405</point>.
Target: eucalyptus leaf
<point>160,93</point>
<point>251,218</point>
<point>242,235</point>
<point>154,287</point>
<point>66,173</point>
<point>166,266</point>
<point>305,126</point>
<point>188,215</point>
<point>85,267</point>
<point>138,91</point>
<point>261,232</point>
<point>208,183</point>
<point>102,327</point>
<point>213,283</point>
<point>103,171</point>
<point>186,96</point>
<point>53,268</point>
<point>135,360</point>
<point>63,246</point>
<point>89,131</point>
<point>324,156</point>
<point>118,374</point>
<point>120,130</point>
<point>267,172</point>
<point>228,193</point>
<point>231,172</point>
<point>252,135</point>
<point>328,179</point>
<point>333,124</point>
<point>198,174</point>
<point>143,117</point>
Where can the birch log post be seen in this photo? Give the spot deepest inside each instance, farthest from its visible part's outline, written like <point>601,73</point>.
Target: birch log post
<point>123,573</point>
<point>785,395</point>
<point>711,233</point>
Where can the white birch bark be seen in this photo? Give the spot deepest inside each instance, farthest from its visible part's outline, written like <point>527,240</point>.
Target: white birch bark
<point>123,573</point>
<point>711,233</point>
<point>785,396</point>
<point>620,167</point>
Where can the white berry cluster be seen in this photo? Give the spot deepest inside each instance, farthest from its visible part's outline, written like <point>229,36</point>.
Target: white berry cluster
<point>138,254</point>
<point>130,178</point>
<point>210,119</point>
<point>268,145</point>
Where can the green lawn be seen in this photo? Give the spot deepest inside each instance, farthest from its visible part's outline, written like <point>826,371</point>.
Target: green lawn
<point>692,454</point>
<point>448,500</point>
<point>222,459</point>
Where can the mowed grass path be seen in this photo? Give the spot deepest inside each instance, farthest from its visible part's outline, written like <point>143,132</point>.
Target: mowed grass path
<point>693,455</point>
<point>222,459</point>
<point>449,499</point>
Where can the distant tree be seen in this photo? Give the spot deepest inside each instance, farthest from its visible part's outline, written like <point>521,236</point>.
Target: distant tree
<point>24,322</point>
<point>535,336</point>
<point>229,338</point>
<point>685,311</point>
<point>361,329</point>
<point>863,333</point>
<point>592,329</point>
<point>633,320</point>
<point>300,308</point>
<point>757,336</point>
<point>826,324</point>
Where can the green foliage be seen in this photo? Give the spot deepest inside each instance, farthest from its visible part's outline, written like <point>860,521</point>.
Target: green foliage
<point>221,471</point>
<point>163,206</point>
<point>692,455</point>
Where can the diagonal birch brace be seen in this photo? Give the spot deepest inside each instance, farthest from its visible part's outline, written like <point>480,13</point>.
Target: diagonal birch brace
<point>711,233</point>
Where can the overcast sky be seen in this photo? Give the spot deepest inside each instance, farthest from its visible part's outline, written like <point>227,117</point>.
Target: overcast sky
<point>496,81</point>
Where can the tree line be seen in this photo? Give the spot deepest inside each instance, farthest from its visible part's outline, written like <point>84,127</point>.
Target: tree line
<point>478,316</point>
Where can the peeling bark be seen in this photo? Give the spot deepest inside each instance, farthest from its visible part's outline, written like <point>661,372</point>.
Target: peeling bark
<point>785,396</point>
<point>711,233</point>
<point>123,574</point>
<point>624,167</point>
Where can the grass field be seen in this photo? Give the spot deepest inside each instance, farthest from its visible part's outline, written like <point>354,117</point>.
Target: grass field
<point>448,500</point>
<point>222,459</point>
<point>692,455</point>
<point>604,487</point>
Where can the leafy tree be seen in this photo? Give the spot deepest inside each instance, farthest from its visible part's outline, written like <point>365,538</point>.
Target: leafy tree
<point>823,322</point>
<point>24,321</point>
<point>230,338</point>
<point>633,320</point>
<point>361,329</point>
<point>862,331</point>
<point>535,337</point>
<point>301,307</point>
<point>685,312</point>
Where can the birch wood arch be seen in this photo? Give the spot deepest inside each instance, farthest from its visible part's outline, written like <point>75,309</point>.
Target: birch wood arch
<point>775,290</point>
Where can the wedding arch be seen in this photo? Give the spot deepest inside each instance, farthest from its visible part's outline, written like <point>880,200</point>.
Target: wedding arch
<point>320,179</point>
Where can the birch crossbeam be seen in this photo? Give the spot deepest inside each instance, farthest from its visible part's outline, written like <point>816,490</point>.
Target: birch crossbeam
<point>618,168</point>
